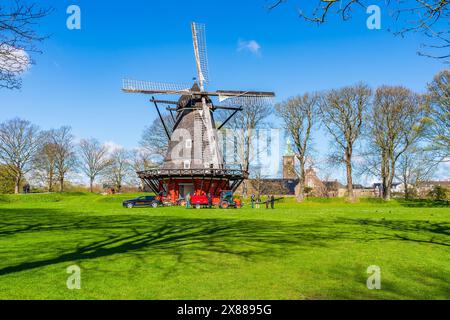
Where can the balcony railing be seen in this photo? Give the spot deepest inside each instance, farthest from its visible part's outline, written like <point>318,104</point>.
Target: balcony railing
<point>227,173</point>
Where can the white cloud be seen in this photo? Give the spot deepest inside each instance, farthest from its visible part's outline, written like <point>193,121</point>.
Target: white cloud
<point>250,46</point>
<point>442,172</point>
<point>13,60</point>
<point>111,146</point>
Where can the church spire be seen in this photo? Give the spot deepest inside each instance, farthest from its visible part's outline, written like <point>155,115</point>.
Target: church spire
<point>288,148</point>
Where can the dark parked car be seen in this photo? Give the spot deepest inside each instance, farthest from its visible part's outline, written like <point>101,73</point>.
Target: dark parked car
<point>145,201</point>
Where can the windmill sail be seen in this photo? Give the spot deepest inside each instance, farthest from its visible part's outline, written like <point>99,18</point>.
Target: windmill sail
<point>234,93</point>
<point>150,87</point>
<point>243,101</point>
<point>200,52</point>
<point>201,59</point>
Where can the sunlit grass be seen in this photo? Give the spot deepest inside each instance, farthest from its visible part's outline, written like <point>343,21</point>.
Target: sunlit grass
<point>319,249</point>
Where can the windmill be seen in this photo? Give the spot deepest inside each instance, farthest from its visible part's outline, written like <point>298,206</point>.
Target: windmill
<point>194,163</point>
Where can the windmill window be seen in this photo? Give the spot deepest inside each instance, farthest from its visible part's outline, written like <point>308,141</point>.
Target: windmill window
<point>187,164</point>
<point>188,143</point>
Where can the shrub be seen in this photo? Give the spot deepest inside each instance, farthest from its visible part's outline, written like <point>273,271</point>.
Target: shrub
<point>308,190</point>
<point>438,193</point>
<point>6,183</point>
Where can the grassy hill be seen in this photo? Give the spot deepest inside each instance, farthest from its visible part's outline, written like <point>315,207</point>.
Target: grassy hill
<point>320,249</point>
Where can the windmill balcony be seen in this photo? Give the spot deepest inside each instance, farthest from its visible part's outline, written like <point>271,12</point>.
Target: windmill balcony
<point>174,173</point>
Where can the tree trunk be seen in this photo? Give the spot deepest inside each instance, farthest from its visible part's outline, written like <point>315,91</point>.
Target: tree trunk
<point>385,184</point>
<point>50,182</point>
<point>348,164</point>
<point>390,180</point>
<point>61,184</point>
<point>387,193</point>
<point>389,177</point>
<point>405,177</point>
<point>91,185</point>
<point>300,188</point>
<point>385,190</point>
<point>405,185</point>
<point>300,191</point>
<point>17,181</point>
<point>244,188</point>
<point>246,168</point>
<point>387,187</point>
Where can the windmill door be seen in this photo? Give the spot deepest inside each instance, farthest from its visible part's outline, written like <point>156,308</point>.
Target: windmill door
<point>186,188</point>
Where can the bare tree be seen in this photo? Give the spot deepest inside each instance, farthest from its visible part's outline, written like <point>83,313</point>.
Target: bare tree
<point>55,158</point>
<point>19,142</point>
<point>244,129</point>
<point>119,168</point>
<point>65,155</point>
<point>45,163</point>
<point>414,166</point>
<point>342,112</point>
<point>299,116</point>
<point>428,17</point>
<point>94,160</point>
<point>396,123</point>
<point>259,183</point>
<point>141,161</point>
<point>154,138</point>
<point>439,104</point>
<point>18,39</point>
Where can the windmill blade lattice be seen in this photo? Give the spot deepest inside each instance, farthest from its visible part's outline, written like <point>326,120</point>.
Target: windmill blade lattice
<point>242,101</point>
<point>129,85</point>
<point>199,35</point>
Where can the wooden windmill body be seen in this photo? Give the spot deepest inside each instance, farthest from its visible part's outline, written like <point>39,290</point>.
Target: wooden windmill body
<point>193,163</point>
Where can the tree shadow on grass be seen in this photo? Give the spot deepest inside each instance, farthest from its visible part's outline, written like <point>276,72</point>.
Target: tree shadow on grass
<point>409,203</point>
<point>437,233</point>
<point>104,236</point>
<point>394,286</point>
<point>423,203</point>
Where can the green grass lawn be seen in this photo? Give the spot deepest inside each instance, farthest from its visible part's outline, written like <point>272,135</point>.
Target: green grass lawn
<point>317,250</point>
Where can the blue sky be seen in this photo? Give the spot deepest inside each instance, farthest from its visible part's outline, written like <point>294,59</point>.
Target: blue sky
<point>77,80</point>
